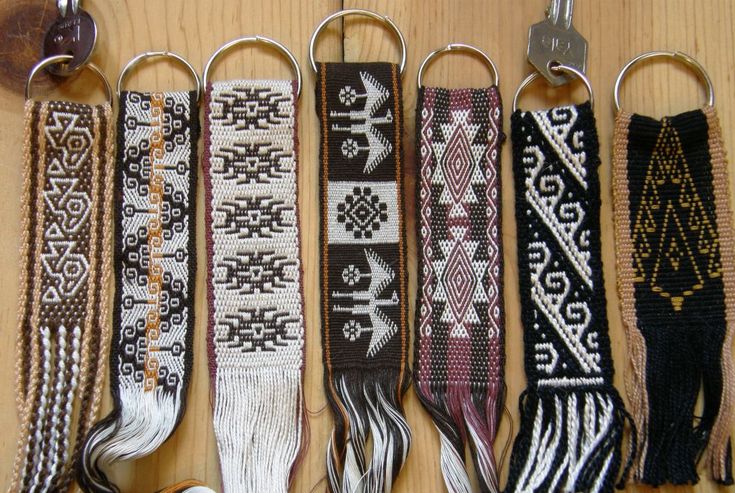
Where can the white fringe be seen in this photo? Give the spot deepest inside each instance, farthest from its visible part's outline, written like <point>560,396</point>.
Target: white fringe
<point>46,378</point>
<point>258,425</point>
<point>382,417</point>
<point>384,444</point>
<point>354,476</point>
<point>453,467</point>
<point>598,419</point>
<point>46,465</point>
<point>147,419</point>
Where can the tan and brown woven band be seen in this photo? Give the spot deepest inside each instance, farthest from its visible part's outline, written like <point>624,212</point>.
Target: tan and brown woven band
<point>65,268</point>
<point>675,250</point>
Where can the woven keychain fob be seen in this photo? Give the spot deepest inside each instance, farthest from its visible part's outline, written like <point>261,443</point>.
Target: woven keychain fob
<point>65,267</point>
<point>155,269</point>
<point>459,349</point>
<point>254,289</point>
<point>572,418</point>
<point>676,279</point>
<point>364,283</point>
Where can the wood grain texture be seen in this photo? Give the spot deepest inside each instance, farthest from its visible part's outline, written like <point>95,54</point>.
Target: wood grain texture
<point>616,31</point>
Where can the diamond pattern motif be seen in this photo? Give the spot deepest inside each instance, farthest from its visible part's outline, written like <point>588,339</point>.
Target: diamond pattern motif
<point>457,163</point>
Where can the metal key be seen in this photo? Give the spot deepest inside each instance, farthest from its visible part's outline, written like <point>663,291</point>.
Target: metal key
<point>554,40</point>
<point>74,33</point>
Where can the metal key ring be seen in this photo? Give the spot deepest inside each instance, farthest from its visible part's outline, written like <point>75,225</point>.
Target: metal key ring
<point>365,13</point>
<point>63,58</point>
<point>685,59</point>
<point>254,39</point>
<point>459,47</point>
<point>137,60</point>
<point>555,68</point>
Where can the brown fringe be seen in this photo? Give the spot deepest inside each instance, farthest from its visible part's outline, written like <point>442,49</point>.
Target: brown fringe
<point>719,440</point>
<point>635,375</point>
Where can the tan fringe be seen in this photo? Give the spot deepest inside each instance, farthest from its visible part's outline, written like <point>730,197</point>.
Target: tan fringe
<point>635,376</point>
<point>719,440</point>
<point>181,486</point>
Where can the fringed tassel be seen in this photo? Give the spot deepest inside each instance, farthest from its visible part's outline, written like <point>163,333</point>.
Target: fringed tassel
<point>48,448</point>
<point>187,486</point>
<point>461,416</point>
<point>482,419</point>
<point>259,427</point>
<point>719,448</point>
<point>719,451</point>
<point>452,435</point>
<point>568,442</point>
<point>141,424</point>
<point>672,444</point>
<point>366,410</point>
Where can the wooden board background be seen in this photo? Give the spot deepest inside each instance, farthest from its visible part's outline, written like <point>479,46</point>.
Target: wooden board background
<point>616,31</point>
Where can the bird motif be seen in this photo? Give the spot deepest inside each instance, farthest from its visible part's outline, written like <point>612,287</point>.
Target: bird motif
<point>368,303</point>
<point>364,121</point>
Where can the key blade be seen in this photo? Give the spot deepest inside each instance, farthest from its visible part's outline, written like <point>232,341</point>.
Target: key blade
<point>560,13</point>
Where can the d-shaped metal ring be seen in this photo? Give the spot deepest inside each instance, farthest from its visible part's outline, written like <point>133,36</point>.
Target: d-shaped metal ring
<point>65,58</point>
<point>365,13</point>
<point>459,47</point>
<point>158,54</point>
<point>674,55</point>
<point>556,68</point>
<point>249,40</point>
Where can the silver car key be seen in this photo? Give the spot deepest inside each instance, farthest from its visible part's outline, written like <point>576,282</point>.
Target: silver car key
<point>555,40</point>
<point>74,33</point>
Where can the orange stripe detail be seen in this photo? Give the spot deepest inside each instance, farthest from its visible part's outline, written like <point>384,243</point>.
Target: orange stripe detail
<point>401,227</point>
<point>325,256</point>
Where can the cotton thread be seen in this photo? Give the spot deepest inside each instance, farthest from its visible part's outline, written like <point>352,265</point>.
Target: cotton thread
<point>256,311</point>
<point>572,418</point>
<point>155,262</point>
<point>459,345</point>
<point>363,272</point>
<point>65,255</point>
<point>674,247</point>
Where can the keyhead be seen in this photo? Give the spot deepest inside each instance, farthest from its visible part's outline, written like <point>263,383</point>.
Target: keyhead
<point>73,34</point>
<point>549,43</point>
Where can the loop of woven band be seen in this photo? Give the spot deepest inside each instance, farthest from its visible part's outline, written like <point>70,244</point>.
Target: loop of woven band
<point>572,418</point>
<point>460,319</point>
<point>155,266</point>
<point>65,267</point>
<point>676,277</point>
<point>363,271</point>
<point>254,290</point>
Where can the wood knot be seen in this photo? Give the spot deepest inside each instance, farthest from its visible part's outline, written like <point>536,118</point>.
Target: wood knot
<point>23,25</point>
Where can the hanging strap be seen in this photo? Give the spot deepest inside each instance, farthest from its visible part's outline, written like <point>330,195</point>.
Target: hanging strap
<point>460,319</point>
<point>65,268</point>
<point>363,271</point>
<point>254,287</point>
<point>572,418</point>
<point>155,266</point>
<point>676,276</point>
